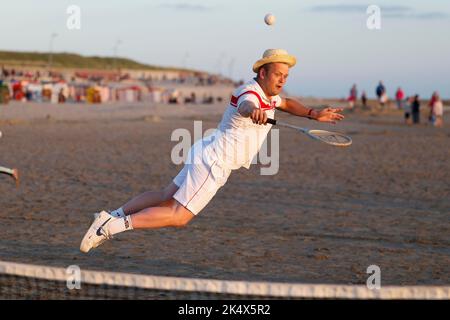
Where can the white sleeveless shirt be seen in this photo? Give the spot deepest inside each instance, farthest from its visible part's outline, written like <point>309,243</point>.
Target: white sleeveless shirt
<point>237,139</point>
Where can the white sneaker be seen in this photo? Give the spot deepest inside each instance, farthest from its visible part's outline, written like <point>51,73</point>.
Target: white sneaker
<point>98,213</point>
<point>97,233</point>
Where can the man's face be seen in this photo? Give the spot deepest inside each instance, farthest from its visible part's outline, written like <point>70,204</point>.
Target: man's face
<point>274,77</point>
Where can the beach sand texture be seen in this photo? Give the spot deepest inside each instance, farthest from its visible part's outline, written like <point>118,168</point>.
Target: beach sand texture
<point>325,217</point>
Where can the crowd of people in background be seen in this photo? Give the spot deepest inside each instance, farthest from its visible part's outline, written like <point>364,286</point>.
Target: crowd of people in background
<point>411,105</point>
<point>104,86</point>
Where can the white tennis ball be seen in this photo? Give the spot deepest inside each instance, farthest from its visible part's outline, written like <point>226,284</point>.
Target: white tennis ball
<point>269,19</point>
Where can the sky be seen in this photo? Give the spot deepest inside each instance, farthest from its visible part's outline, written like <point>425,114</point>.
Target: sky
<point>330,39</point>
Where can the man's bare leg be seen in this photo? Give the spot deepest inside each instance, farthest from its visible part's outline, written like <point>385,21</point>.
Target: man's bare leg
<point>15,176</point>
<point>14,173</point>
<point>150,199</point>
<point>173,214</point>
<point>105,226</point>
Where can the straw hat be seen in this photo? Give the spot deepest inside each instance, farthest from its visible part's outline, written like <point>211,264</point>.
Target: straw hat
<point>275,55</point>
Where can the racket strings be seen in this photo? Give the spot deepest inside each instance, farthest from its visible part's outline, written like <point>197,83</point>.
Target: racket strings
<point>331,137</point>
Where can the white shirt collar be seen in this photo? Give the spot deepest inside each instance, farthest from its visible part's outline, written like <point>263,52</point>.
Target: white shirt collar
<point>261,91</point>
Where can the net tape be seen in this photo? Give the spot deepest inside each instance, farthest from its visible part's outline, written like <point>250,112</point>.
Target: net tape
<point>246,289</point>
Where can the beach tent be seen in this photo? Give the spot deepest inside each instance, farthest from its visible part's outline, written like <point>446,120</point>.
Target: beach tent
<point>4,93</point>
<point>35,91</point>
<point>124,92</point>
<point>57,88</point>
<point>17,91</point>
<point>154,94</point>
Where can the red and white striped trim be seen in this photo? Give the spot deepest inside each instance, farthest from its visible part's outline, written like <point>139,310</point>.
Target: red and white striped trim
<point>264,106</point>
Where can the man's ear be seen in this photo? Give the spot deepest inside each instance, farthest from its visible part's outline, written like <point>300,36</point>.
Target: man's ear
<point>262,72</point>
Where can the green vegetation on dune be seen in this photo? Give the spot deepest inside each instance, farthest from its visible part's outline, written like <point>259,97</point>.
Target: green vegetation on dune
<point>71,60</point>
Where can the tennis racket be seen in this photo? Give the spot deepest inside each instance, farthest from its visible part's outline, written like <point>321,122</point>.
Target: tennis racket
<point>331,138</point>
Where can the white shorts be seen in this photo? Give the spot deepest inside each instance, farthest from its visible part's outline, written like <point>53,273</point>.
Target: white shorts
<point>200,178</point>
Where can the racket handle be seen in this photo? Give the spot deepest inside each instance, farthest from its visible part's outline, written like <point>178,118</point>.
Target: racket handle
<point>271,121</point>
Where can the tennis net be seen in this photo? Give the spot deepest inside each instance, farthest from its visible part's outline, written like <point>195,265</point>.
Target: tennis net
<point>25,281</point>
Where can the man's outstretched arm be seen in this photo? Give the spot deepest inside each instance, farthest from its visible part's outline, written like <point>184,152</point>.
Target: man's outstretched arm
<point>296,108</point>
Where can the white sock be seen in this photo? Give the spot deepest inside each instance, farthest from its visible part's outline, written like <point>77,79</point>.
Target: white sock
<point>120,225</point>
<point>118,213</point>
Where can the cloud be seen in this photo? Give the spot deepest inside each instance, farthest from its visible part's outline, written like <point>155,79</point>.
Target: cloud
<point>185,7</point>
<point>423,16</point>
<point>402,12</point>
<point>431,15</point>
<point>347,8</point>
<point>356,8</point>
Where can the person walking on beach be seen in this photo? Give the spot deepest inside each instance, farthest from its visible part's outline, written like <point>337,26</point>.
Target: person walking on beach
<point>352,97</point>
<point>438,111</point>
<point>238,138</point>
<point>431,117</point>
<point>364,99</point>
<point>415,109</point>
<point>407,107</point>
<point>381,94</point>
<point>399,98</point>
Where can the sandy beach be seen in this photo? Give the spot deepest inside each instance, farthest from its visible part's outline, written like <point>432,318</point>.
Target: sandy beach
<point>325,217</point>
